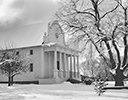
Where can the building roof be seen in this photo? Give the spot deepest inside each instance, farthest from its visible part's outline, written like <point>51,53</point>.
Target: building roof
<point>23,36</point>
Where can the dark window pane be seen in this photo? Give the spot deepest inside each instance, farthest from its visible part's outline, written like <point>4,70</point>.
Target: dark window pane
<point>31,52</point>
<point>17,53</point>
<point>31,67</point>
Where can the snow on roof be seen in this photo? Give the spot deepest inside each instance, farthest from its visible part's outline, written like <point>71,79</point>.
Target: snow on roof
<point>23,36</point>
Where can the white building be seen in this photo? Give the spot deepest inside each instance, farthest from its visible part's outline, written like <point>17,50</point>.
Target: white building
<point>51,60</point>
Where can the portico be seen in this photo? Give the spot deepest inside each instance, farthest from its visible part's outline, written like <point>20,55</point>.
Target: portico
<point>63,62</point>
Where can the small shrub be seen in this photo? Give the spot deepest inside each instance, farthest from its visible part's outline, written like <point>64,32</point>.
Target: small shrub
<point>74,81</point>
<point>88,80</point>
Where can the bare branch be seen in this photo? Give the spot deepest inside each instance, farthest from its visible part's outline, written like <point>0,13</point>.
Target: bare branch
<point>125,51</point>
<point>84,12</point>
<point>100,2</point>
<point>101,54</point>
<point>110,54</point>
<point>120,3</point>
<point>114,30</point>
<point>125,66</point>
<point>118,53</point>
<point>109,12</point>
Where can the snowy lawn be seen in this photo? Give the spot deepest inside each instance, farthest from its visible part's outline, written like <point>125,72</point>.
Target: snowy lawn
<point>64,91</point>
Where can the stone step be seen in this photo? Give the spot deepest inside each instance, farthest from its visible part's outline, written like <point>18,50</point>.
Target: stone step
<point>52,80</point>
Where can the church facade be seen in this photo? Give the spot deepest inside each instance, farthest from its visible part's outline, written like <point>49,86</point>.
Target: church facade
<point>51,60</point>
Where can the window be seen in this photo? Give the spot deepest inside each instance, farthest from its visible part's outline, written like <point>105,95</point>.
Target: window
<point>31,67</point>
<point>17,53</point>
<point>31,52</point>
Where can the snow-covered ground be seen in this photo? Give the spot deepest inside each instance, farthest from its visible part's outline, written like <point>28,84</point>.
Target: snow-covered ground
<point>64,91</point>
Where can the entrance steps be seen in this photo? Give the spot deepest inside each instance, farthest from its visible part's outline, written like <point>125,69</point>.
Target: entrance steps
<point>52,80</point>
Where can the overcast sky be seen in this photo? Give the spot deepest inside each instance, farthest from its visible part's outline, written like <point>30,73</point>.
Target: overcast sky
<point>18,12</point>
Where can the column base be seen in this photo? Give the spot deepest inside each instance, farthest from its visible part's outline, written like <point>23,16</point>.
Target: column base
<point>65,74</point>
<point>68,74</point>
<point>71,74</point>
<point>74,74</point>
<point>61,73</point>
<point>78,74</point>
<point>56,73</point>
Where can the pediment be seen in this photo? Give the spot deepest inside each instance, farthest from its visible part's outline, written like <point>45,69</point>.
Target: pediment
<point>55,33</point>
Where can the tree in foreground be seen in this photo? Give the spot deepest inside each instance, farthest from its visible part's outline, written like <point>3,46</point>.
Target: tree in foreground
<point>105,24</point>
<point>95,68</point>
<point>12,63</point>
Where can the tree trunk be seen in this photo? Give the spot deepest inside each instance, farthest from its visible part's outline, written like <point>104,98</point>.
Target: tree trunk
<point>12,80</point>
<point>119,77</point>
<point>9,81</point>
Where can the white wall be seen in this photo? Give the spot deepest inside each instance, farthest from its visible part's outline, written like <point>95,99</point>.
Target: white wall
<point>46,68</point>
<point>51,67</point>
<point>49,64</point>
<point>37,67</point>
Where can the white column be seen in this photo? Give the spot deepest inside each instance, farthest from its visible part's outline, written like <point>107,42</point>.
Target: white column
<point>71,66</point>
<point>68,65</point>
<point>74,67</point>
<point>42,62</point>
<point>55,65</point>
<point>78,72</point>
<point>49,63</point>
<point>65,65</point>
<point>61,66</point>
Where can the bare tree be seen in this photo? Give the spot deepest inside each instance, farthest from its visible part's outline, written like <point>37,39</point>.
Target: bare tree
<point>105,24</point>
<point>90,68</point>
<point>12,63</point>
<point>95,68</point>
